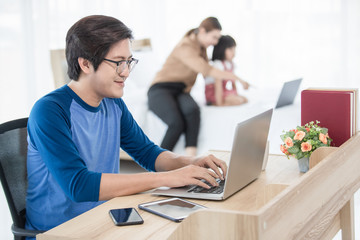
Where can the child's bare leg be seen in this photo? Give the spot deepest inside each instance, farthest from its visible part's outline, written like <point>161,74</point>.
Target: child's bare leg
<point>233,100</point>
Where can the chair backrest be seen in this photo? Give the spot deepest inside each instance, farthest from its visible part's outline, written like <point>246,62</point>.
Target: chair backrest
<point>59,67</point>
<point>13,173</point>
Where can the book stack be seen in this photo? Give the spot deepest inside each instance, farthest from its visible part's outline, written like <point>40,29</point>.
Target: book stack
<point>336,109</point>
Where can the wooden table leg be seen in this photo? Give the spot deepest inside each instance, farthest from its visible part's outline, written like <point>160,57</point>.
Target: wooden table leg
<point>347,220</point>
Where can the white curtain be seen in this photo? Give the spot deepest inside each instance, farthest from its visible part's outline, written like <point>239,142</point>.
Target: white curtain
<point>277,40</point>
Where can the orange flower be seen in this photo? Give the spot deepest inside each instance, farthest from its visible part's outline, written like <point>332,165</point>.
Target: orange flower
<point>299,135</point>
<point>289,142</point>
<point>283,149</point>
<point>306,147</point>
<point>307,129</point>
<point>322,138</point>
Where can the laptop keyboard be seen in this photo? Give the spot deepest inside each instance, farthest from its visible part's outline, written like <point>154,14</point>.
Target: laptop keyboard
<point>213,189</point>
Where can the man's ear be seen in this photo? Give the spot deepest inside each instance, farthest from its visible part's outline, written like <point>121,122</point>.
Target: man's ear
<point>85,65</point>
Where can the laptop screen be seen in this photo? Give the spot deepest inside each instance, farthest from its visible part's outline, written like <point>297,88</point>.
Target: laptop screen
<point>288,93</point>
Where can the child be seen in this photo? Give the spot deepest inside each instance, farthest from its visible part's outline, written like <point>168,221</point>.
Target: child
<point>222,92</point>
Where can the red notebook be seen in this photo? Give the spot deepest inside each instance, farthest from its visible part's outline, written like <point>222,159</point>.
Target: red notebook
<point>335,109</point>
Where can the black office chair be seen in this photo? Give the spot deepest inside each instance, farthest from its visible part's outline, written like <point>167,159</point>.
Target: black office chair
<point>13,175</point>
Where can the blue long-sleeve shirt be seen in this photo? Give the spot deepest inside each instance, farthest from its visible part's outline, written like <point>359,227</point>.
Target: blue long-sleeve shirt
<point>70,144</point>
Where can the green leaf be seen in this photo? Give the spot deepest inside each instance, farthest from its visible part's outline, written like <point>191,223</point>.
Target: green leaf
<point>299,155</point>
<point>324,130</point>
<point>283,137</point>
<point>291,134</point>
<point>293,149</point>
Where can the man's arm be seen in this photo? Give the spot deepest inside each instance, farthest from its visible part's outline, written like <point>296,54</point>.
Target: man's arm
<point>115,185</point>
<point>167,161</point>
<point>174,171</point>
<point>49,131</point>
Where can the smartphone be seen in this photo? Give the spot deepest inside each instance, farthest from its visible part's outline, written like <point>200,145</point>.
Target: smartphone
<point>125,216</point>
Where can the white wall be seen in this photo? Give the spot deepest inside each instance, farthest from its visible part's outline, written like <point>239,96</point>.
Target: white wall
<point>277,40</point>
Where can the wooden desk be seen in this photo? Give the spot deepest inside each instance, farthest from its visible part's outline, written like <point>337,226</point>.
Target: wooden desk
<point>281,204</point>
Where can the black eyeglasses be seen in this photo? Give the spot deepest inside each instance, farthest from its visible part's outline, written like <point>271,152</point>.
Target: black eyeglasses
<point>120,65</point>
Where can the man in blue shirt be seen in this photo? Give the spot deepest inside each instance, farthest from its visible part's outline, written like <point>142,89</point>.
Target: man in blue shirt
<point>75,133</point>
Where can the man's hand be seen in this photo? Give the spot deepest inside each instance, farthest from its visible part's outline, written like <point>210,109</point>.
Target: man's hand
<point>190,175</point>
<point>177,171</point>
<point>206,168</point>
<point>213,163</point>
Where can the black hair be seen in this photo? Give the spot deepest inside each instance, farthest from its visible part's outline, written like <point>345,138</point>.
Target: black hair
<point>225,42</point>
<point>91,38</point>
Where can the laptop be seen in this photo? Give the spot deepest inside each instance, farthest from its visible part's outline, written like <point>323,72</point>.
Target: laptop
<point>288,93</point>
<point>245,165</point>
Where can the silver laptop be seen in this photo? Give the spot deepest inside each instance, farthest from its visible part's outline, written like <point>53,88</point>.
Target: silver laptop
<point>288,93</point>
<point>246,160</point>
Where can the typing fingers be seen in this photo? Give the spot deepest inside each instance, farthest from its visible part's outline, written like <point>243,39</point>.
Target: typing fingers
<point>209,177</point>
<point>223,167</point>
<point>215,168</point>
<point>215,163</point>
<point>204,174</point>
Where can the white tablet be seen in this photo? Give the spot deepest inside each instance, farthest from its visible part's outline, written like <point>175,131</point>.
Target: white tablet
<point>175,209</point>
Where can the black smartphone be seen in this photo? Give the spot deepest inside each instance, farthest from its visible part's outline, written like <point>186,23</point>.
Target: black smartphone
<point>125,216</point>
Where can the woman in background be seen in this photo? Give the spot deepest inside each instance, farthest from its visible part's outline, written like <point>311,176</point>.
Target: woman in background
<point>169,94</point>
<point>223,92</point>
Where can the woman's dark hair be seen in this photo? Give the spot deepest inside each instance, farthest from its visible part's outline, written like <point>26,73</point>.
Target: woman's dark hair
<point>219,49</point>
<point>91,38</point>
<point>208,24</point>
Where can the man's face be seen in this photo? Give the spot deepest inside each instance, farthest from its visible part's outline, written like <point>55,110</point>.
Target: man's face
<point>106,82</point>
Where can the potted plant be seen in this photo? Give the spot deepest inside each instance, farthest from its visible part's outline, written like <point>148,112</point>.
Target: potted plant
<point>302,142</point>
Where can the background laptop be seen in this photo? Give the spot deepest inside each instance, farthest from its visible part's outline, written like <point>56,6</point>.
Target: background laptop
<point>288,93</point>
<point>246,160</point>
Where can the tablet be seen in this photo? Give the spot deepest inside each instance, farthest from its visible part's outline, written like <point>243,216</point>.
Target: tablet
<point>175,209</point>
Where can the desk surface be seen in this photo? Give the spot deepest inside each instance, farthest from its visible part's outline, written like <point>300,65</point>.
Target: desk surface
<point>96,223</point>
